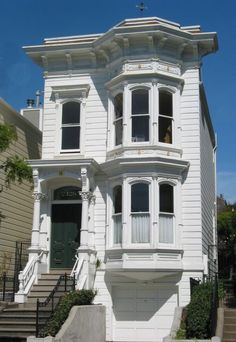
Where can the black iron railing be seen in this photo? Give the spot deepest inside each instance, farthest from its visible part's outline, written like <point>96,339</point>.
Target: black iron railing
<point>6,288</point>
<point>214,305</point>
<point>46,309</point>
<point>21,258</point>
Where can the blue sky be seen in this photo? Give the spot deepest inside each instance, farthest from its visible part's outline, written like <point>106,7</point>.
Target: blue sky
<point>27,22</point>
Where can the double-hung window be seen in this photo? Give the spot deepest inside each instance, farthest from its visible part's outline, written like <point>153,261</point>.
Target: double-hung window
<point>140,216</point>
<point>166,214</point>
<point>165,117</point>
<point>140,115</point>
<point>118,118</point>
<point>117,215</point>
<point>70,127</point>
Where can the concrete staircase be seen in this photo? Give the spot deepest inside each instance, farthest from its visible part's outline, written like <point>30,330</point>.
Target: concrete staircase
<point>17,321</point>
<point>229,325</point>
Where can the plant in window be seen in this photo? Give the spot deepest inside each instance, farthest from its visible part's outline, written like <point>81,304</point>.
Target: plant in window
<point>165,116</point>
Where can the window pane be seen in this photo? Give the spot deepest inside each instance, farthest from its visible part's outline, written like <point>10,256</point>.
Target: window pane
<point>165,130</point>
<point>166,198</point>
<point>118,104</point>
<point>140,128</point>
<point>165,103</point>
<point>70,138</point>
<point>118,132</point>
<point>117,199</point>
<point>71,113</point>
<point>140,101</point>
<point>140,228</point>
<point>166,232</point>
<point>140,197</point>
<point>67,193</point>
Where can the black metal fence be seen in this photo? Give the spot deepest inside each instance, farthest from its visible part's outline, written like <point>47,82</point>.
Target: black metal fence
<point>21,258</point>
<point>6,288</point>
<point>46,309</point>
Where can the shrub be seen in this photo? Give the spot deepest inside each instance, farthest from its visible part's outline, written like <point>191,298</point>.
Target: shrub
<point>198,312</point>
<point>82,297</point>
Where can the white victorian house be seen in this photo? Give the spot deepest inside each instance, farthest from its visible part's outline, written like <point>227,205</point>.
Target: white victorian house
<point>125,190</point>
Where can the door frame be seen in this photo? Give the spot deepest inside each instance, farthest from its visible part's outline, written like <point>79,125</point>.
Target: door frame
<point>52,202</point>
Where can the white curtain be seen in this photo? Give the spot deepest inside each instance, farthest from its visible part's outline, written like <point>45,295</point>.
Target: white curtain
<point>140,228</point>
<point>117,226</point>
<point>166,231</point>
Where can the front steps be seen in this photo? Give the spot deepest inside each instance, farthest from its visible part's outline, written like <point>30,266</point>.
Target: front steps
<point>229,325</point>
<point>18,321</point>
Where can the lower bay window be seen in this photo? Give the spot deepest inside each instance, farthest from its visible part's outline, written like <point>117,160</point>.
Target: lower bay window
<point>146,217</point>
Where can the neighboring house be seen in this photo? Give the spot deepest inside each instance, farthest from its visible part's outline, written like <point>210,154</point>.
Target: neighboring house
<point>125,189</point>
<point>16,202</point>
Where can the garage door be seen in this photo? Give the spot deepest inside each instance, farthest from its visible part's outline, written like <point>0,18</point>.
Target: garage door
<point>143,313</point>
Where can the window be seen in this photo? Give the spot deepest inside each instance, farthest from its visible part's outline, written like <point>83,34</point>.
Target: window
<point>118,118</point>
<point>140,213</point>
<point>166,215</point>
<point>70,127</point>
<point>165,116</point>
<point>117,214</point>
<point>140,115</point>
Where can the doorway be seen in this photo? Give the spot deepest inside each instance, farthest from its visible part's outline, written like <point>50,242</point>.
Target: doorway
<point>65,234</point>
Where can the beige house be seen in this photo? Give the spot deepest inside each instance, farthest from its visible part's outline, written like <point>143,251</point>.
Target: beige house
<point>16,202</point>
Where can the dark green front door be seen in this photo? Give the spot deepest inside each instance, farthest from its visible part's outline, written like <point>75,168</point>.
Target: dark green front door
<point>65,235</point>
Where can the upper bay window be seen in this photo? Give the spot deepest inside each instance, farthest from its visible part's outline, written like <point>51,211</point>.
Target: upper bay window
<point>70,126</point>
<point>165,116</point>
<point>118,118</point>
<point>140,115</point>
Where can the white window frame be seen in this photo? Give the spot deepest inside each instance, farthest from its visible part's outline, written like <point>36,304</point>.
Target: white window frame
<point>174,214</point>
<point>147,181</point>
<point>78,150</point>
<point>114,120</point>
<point>131,88</point>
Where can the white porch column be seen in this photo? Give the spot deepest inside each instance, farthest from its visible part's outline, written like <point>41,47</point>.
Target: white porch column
<point>91,225</point>
<point>84,236</point>
<point>38,196</point>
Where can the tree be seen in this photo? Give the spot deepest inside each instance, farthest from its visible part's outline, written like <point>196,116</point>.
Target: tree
<point>15,168</point>
<point>226,224</point>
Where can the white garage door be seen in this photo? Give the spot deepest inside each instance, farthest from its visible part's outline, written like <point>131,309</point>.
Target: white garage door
<point>143,313</point>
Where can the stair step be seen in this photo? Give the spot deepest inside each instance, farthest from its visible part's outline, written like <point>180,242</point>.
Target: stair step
<point>228,335</point>
<point>230,328</point>
<point>230,320</point>
<point>230,313</point>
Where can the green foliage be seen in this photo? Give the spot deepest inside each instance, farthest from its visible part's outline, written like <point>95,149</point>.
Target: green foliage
<point>181,334</point>
<point>198,312</point>
<point>82,297</point>
<point>226,224</point>
<point>7,135</point>
<point>16,169</point>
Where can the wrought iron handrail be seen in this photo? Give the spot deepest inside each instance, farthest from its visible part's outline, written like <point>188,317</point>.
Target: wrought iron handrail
<point>214,305</point>
<point>51,302</point>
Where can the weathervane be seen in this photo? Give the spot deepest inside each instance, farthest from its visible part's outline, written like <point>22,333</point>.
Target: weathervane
<point>141,7</point>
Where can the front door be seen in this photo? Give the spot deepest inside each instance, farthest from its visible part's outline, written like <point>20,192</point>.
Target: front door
<point>65,235</point>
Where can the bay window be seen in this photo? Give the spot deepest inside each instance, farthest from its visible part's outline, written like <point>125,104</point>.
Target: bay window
<point>140,216</point>
<point>140,115</point>
<point>166,214</point>
<point>70,126</point>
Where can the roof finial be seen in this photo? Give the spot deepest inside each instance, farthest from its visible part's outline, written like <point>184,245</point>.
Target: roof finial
<point>141,7</point>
